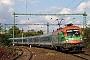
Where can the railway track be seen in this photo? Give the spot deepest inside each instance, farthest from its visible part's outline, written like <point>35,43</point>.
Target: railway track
<point>83,56</point>
<point>40,53</point>
<point>25,55</point>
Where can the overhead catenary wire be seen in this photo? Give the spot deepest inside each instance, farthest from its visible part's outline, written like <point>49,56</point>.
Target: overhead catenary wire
<point>74,6</point>
<point>5,9</point>
<point>26,8</point>
<point>68,6</point>
<point>78,4</point>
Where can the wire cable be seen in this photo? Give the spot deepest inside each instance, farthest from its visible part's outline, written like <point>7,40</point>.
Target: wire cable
<point>26,10</point>
<point>78,4</point>
<point>5,9</point>
<point>70,3</point>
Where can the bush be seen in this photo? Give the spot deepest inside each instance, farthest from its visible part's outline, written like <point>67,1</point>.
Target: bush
<point>4,40</point>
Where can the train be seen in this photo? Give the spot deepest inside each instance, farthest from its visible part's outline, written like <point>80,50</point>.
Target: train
<point>68,38</point>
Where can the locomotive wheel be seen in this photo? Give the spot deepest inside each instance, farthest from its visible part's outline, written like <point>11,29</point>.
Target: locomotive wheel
<point>79,49</point>
<point>63,50</point>
<point>57,48</point>
<point>39,45</point>
<point>52,48</point>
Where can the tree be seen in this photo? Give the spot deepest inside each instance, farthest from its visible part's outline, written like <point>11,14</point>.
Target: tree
<point>4,40</point>
<point>86,36</point>
<point>33,32</point>
<point>40,32</point>
<point>16,31</point>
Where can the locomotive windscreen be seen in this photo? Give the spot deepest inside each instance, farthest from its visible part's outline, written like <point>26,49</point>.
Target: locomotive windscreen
<point>73,32</point>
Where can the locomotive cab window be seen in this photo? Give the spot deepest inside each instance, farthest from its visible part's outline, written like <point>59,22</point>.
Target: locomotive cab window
<point>74,32</point>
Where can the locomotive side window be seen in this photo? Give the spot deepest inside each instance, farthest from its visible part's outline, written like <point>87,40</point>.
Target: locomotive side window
<point>74,32</point>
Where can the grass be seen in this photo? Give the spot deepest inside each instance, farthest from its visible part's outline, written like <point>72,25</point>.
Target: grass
<point>50,54</point>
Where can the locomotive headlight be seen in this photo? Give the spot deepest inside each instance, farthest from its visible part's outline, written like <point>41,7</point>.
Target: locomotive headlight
<point>66,40</point>
<point>81,39</point>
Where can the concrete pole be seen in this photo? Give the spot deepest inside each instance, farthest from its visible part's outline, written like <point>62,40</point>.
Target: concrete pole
<point>13,28</point>
<point>47,27</point>
<point>22,36</point>
<point>5,27</point>
<point>84,20</point>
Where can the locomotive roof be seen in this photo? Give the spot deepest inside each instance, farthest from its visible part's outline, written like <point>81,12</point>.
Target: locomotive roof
<point>70,27</point>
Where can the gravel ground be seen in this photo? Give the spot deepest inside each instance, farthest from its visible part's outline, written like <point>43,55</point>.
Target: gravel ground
<point>47,54</point>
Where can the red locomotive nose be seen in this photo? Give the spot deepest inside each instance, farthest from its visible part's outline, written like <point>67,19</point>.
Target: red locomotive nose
<point>74,41</point>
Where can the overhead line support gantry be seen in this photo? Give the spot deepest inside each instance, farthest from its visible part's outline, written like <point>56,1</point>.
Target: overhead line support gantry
<point>83,14</point>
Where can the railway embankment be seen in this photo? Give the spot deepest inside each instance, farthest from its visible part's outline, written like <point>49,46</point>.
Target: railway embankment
<point>34,53</point>
<point>7,53</point>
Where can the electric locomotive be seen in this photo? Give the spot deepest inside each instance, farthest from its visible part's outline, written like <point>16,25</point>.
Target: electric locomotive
<point>69,38</point>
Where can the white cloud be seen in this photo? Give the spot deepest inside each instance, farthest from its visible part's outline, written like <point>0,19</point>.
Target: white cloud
<point>2,20</point>
<point>10,10</point>
<point>89,14</point>
<point>65,11</point>
<point>5,11</point>
<point>88,23</point>
<point>83,6</point>
<point>53,9</point>
<point>8,2</point>
<point>39,20</point>
<point>21,0</point>
<point>33,2</point>
<point>32,20</point>
<point>23,21</point>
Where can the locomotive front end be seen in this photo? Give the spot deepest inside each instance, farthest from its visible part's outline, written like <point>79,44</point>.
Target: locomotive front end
<point>73,38</point>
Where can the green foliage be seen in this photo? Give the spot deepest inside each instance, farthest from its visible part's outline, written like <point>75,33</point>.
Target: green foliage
<point>50,54</point>
<point>18,32</point>
<point>4,40</point>
<point>40,32</point>
<point>86,36</point>
<point>33,33</point>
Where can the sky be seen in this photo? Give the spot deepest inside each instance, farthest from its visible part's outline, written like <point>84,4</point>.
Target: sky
<point>8,7</point>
